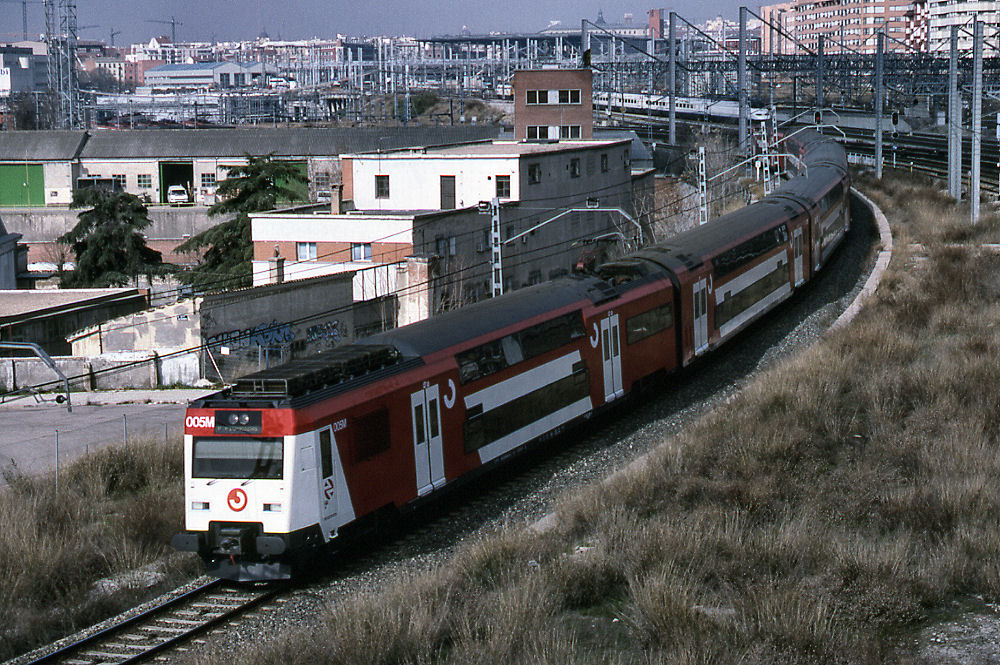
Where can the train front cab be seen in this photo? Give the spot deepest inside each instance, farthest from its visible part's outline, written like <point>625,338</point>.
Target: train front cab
<point>256,497</point>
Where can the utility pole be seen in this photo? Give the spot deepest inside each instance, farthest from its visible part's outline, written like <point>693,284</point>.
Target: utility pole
<point>954,122</point>
<point>879,94</point>
<point>497,259</point>
<point>741,84</point>
<point>672,76</point>
<point>819,73</point>
<point>977,118</point>
<point>702,187</point>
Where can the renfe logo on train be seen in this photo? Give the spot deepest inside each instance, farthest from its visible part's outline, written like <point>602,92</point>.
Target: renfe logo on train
<point>237,499</point>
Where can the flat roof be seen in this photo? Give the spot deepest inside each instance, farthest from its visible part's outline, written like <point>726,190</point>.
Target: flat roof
<point>24,303</point>
<point>493,149</point>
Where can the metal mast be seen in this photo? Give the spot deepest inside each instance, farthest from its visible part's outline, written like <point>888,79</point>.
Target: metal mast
<point>60,37</point>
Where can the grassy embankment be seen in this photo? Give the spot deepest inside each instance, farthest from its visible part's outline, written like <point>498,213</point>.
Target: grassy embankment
<point>842,501</point>
<point>111,520</point>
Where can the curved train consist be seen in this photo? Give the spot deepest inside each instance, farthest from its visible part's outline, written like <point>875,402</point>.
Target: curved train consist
<point>688,107</point>
<point>294,457</point>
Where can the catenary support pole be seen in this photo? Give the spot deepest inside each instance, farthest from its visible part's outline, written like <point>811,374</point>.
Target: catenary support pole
<point>977,119</point>
<point>672,76</point>
<point>741,84</point>
<point>954,122</point>
<point>879,96</point>
<point>819,73</point>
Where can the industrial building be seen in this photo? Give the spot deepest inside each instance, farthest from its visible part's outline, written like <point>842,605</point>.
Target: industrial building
<point>554,198</point>
<point>208,76</point>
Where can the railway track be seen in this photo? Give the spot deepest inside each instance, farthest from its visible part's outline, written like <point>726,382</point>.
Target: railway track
<point>142,637</point>
<point>917,152</point>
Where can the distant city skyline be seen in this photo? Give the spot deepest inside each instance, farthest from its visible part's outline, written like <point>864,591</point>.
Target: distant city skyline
<point>230,20</point>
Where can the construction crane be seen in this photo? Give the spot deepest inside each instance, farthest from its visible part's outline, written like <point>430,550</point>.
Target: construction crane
<point>173,26</point>
<point>24,15</point>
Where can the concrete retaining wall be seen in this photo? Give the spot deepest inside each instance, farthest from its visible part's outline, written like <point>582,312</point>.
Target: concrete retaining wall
<point>47,224</point>
<point>113,371</point>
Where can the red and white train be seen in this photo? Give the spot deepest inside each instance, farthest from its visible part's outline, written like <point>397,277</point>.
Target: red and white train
<point>294,457</point>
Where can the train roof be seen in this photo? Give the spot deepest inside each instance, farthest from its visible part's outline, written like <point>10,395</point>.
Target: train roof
<point>687,250</point>
<point>452,328</point>
<point>826,162</point>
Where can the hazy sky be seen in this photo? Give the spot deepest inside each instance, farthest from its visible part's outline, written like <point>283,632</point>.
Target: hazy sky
<point>201,20</point>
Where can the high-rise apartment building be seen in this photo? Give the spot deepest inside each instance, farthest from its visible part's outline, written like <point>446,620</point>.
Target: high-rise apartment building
<point>777,32</point>
<point>848,26</point>
<point>942,14</point>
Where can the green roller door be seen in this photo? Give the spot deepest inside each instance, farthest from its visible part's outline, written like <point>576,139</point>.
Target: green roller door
<point>22,185</point>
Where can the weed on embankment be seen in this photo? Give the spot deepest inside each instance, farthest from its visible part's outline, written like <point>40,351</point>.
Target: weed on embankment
<point>97,547</point>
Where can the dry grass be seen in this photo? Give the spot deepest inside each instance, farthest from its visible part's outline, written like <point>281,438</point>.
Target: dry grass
<point>115,512</point>
<point>821,516</point>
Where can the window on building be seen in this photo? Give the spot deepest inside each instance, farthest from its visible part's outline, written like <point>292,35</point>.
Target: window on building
<point>569,96</point>
<point>535,132</point>
<point>534,174</point>
<point>321,179</point>
<point>381,186</point>
<point>361,251</point>
<point>574,167</point>
<point>118,181</point>
<point>223,80</point>
<point>144,181</point>
<point>503,186</point>
<point>538,97</point>
<point>569,132</point>
<point>208,180</point>
<point>445,246</point>
<point>627,158</point>
<point>604,162</point>
<point>305,251</point>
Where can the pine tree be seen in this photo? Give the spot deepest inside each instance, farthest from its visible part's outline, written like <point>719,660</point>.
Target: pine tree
<point>108,242</point>
<point>256,187</point>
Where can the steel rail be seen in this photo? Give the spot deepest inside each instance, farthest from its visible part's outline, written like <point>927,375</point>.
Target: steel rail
<point>77,650</point>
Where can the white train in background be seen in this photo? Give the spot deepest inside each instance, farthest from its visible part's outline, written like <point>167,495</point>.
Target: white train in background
<point>659,104</point>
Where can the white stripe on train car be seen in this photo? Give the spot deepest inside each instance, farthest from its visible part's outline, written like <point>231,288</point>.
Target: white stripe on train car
<point>523,384</point>
<point>747,279</point>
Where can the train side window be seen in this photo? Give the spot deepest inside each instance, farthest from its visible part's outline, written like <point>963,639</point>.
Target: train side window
<point>735,258</point>
<point>432,415</point>
<point>418,423</point>
<point>371,434</point>
<point>644,325</point>
<point>494,356</point>
<point>552,334</point>
<point>326,452</point>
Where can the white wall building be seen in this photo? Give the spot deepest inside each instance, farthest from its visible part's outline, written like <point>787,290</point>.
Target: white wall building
<point>206,75</point>
<point>460,176</point>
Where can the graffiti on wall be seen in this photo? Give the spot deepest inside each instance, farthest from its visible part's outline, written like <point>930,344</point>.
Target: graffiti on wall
<point>275,334</point>
<point>328,330</point>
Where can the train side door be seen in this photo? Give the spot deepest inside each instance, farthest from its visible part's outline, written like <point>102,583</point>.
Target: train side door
<point>328,480</point>
<point>611,349</point>
<point>700,293</point>
<point>428,447</point>
<point>797,260</point>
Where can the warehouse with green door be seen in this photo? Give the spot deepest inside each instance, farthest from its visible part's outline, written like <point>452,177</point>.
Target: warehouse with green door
<point>39,168</point>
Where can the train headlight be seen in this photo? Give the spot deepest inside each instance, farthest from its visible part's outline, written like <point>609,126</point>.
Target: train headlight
<point>272,507</point>
<point>199,505</point>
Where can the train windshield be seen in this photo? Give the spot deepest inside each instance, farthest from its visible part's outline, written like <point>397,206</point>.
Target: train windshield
<point>237,457</point>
